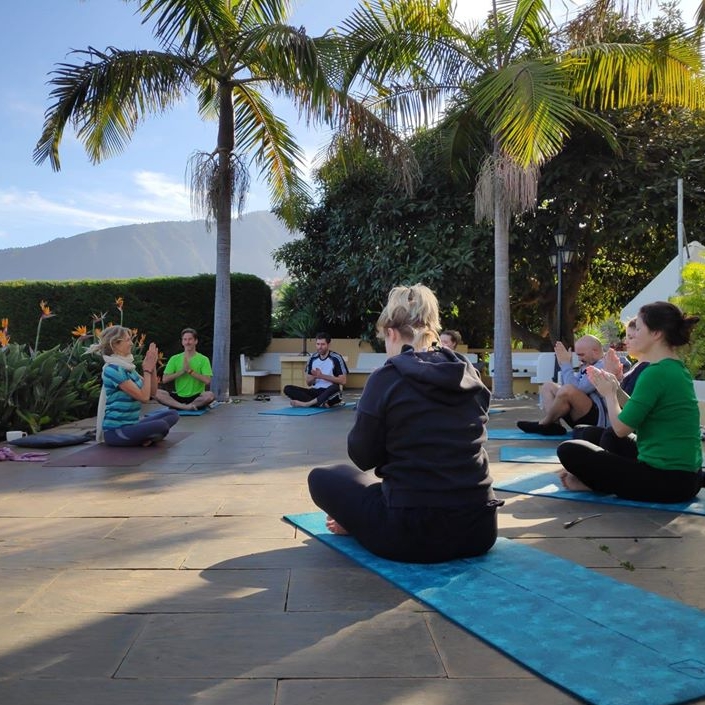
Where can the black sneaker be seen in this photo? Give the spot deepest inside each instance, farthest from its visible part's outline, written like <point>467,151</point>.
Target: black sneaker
<point>549,429</point>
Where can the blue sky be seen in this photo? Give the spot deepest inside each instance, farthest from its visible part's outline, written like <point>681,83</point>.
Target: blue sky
<point>144,183</point>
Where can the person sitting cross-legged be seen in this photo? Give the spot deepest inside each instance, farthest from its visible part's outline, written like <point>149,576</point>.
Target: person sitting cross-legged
<point>576,401</point>
<point>326,374</point>
<point>190,371</point>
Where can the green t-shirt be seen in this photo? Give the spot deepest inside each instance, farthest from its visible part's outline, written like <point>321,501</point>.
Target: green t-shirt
<point>663,411</point>
<point>186,385</point>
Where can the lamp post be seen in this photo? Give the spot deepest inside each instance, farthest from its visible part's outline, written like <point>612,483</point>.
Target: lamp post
<point>562,256</point>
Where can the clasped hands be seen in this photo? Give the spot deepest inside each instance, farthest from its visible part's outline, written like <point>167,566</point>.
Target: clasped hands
<point>604,382</point>
<point>149,363</point>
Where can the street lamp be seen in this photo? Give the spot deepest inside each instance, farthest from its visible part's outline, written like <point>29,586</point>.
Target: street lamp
<point>562,256</point>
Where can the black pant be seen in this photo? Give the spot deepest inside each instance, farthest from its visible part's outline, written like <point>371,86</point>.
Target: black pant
<point>606,438</point>
<point>411,534</point>
<point>323,395</point>
<point>611,473</point>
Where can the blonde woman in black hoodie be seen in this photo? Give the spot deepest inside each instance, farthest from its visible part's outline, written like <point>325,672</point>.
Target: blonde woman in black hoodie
<point>421,490</point>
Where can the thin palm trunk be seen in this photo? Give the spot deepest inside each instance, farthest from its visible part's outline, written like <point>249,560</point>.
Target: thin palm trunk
<point>502,387</point>
<point>221,316</point>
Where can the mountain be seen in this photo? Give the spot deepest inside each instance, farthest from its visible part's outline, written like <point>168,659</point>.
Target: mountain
<point>178,248</point>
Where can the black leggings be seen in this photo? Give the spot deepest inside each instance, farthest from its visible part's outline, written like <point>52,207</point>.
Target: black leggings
<point>606,438</point>
<point>410,534</point>
<point>322,394</point>
<point>622,474</point>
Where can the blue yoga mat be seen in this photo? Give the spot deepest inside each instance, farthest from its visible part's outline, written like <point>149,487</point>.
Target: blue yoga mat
<point>604,641</point>
<point>509,434</point>
<point>303,410</point>
<point>547,484</point>
<point>514,454</point>
<point>192,412</point>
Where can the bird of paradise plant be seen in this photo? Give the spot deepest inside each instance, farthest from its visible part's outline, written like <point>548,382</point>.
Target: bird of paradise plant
<point>4,337</point>
<point>80,332</point>
<point>95,319</point>
<point>120,302</point>
<point>46,313</point>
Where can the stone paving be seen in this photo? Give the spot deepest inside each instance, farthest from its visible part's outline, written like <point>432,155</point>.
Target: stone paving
<point>175,581</point>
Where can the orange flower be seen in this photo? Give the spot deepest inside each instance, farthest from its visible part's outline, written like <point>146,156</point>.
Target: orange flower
<point>143,337</point>
<point>119,302</point>
<point>4,324</point>
<point>79,331</point>
<point>4,339</point>
<point>46,311</point>
<point>97,332</point>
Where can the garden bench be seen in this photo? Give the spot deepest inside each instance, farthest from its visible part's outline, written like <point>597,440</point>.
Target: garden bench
<point>255,370</point>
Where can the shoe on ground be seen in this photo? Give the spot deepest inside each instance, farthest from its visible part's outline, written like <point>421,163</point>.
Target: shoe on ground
<point>549,429</point>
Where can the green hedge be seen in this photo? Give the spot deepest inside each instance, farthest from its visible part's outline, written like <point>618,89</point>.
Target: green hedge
<point>158,308</point>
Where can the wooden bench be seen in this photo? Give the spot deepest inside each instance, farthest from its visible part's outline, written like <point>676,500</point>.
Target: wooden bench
<point>255,371</point>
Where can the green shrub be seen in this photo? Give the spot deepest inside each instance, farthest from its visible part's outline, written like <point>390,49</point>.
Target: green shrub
<point>692,300</point>
<point>45,389</point>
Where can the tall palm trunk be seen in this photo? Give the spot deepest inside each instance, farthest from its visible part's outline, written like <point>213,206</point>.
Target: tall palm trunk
<point>223,204</point>
<point>502,386</point>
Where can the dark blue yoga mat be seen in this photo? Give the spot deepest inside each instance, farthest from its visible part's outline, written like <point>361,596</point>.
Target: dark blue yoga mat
<point>515,454</point>
<point>601,640</point>
<point>509,434</point>
<point>192,412</point>
<point>547,484</point>
<point>302,410</point>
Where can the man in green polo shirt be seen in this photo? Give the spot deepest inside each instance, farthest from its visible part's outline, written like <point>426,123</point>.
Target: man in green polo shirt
<point>191,373</point>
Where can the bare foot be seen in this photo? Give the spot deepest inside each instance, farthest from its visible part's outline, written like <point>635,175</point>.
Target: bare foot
<point>147,443</point>
<point>296,403</point>
<point>570,482</point>
<point>335,528</point>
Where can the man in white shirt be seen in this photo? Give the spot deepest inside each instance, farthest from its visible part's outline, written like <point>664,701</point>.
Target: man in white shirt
<point>326,374</point>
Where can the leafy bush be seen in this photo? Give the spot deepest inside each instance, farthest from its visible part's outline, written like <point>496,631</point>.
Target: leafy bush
<point>692,300</point>
<point>45,389</point>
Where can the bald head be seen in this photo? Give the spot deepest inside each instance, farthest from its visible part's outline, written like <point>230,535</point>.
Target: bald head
<point>588,349</point>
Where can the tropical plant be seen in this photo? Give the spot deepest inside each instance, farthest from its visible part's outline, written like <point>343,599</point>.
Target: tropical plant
<point>512,91</point>
<point>42,389</point>
<point>228,52</point>
<point>691,298</point>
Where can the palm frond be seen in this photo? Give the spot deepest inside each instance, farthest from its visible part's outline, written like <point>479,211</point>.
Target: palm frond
<point>527,109</point>
<point>393,41</point>
<point>274,151</point>
<point>610,76</point>
<point>358,122</point>
<point>106,97</point>
<point>188,26</point>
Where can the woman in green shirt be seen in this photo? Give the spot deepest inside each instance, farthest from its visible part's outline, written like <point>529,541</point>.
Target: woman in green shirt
<point>663,462</point>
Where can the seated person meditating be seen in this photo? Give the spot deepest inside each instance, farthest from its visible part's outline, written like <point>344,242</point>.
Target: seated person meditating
<point>605,436</point>
<point>124,391</point>
<point>575,401</point>
<point>326,374</point>
<point>663,462</point>
<point>421,491</point>
<point>191,373</point>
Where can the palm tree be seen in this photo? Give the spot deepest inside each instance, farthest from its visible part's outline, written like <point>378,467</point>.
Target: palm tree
<point>227,52</point>
<point>511,89</point>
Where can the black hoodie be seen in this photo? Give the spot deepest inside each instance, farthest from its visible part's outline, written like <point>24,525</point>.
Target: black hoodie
<point>421,424</point>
